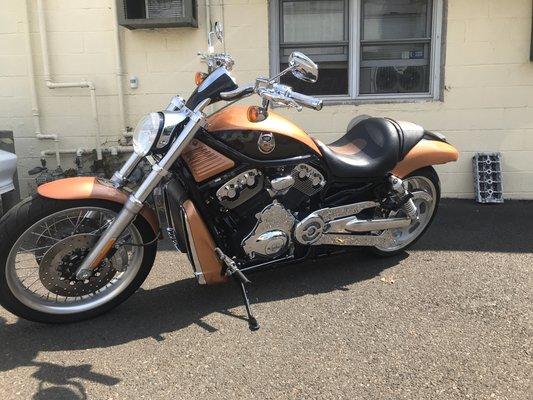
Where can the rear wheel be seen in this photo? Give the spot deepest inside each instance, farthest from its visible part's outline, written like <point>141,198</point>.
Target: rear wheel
<point>43,241</point>
<point>426,180</point>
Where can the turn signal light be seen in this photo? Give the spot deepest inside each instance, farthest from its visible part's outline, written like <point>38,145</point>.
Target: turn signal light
<point>256,114</point>
<point>199,78</point>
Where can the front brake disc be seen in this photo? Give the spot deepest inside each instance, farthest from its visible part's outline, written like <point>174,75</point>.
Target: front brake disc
<point>57,270</point>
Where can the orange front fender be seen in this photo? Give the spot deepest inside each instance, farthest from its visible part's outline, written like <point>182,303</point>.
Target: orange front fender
<point>425,154</point>
<point>88,187</point>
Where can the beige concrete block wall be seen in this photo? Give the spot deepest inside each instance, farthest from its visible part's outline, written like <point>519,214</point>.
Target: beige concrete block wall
<point>487,103</point>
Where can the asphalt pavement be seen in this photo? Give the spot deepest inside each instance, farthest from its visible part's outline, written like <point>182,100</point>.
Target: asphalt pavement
<point>452,319</point>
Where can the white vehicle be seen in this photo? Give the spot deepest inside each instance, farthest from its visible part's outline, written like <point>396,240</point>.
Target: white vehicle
<point>8,166</point>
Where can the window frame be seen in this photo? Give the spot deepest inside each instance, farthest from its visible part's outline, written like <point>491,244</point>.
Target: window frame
<point>355,50</point>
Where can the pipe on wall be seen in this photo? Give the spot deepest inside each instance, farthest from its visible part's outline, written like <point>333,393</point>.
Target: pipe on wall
<point>62,85</point>
<point>114,150</point>
<point>36,115</point>
<point>119,72</point>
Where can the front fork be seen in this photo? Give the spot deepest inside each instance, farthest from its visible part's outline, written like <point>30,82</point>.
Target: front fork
<point>136,200</point>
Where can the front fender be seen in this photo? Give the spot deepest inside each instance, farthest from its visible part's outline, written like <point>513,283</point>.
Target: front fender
<point>88,187</point>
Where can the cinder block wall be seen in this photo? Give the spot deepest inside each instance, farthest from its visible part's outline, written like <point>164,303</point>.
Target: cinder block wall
<point>487,102</point>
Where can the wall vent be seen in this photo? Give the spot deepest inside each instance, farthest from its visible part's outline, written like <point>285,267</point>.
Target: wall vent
<point>488,177</point>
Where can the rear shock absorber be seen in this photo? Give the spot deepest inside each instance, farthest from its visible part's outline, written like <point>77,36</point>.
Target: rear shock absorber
<point>406,198</point>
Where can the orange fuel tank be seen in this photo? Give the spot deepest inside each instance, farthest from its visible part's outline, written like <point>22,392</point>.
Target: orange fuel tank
<point>232,126</point>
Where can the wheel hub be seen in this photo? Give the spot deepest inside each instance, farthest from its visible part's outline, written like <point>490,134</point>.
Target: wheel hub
<point>57,270</point>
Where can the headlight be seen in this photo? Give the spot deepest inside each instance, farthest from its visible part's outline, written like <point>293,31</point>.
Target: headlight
<point>146,133</point>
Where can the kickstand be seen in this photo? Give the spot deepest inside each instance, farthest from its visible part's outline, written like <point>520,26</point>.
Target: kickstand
<point>241,279</point>
<point>252,321</point>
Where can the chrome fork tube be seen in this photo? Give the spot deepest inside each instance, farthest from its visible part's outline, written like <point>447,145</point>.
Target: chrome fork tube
<point>135,202</point>
<point>120,177</point>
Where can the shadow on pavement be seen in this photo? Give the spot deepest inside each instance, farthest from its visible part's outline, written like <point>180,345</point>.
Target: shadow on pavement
<point>154,312</point>
<point>463,225</point>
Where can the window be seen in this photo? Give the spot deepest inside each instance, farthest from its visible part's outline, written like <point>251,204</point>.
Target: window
<point>365,48</point>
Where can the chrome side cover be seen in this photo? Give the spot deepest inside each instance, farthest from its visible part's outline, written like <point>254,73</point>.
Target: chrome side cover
<point>339,226</point>
<point>272,234</point>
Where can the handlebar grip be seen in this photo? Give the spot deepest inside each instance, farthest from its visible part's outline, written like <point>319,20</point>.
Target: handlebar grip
<point>307,101</point>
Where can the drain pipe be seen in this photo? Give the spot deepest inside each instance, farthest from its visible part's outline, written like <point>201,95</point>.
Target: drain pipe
<point>114,150</point>
<point>33,91</point>
<point>62,85</point>
<point>119,73</point>
<point>210,46</point>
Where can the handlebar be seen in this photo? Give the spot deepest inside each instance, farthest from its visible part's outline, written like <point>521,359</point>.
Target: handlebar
<point>240,92</point>
<point>276,93</point>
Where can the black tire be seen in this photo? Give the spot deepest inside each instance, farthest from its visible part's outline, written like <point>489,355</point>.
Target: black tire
<point>431,174</point>
<point>31,210</point>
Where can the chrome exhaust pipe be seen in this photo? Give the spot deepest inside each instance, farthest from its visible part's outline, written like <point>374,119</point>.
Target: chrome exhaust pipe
<point>370,225</point>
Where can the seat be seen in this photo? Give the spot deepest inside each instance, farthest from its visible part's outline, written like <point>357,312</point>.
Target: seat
<point>371,148</point>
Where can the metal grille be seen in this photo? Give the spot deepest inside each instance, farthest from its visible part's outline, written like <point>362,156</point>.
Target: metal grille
<point>164,9</point>
<point>305,184</point>
<point>488,177</point>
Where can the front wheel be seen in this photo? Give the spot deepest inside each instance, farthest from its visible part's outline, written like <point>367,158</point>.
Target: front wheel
<point>43,241</point>
<point>426,180</point>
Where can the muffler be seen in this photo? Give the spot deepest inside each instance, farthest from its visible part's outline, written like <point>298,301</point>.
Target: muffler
<point>371,225</point>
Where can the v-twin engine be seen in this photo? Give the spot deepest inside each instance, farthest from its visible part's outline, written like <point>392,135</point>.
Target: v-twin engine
<point>277,229</point>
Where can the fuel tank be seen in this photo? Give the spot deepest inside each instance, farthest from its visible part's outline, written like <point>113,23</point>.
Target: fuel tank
<point>275,138</point>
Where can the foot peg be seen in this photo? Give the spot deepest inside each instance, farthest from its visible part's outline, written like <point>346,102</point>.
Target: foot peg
<point>231,267</point>
<point>241,279</point>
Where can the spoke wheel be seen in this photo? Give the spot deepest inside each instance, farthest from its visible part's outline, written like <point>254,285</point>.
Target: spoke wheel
<point>46,281</point>
<point>46,242</point>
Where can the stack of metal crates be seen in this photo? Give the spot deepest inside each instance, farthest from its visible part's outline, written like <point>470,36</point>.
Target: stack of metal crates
<point>488,177</point>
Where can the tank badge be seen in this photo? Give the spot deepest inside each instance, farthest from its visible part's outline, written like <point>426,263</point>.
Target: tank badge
<point>266,143</point>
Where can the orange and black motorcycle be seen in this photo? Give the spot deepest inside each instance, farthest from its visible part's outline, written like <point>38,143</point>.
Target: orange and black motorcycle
<point>238,191</point>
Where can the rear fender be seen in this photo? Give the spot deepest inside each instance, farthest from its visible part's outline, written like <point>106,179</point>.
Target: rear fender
<point>424,154</point>
<point>86,187</point>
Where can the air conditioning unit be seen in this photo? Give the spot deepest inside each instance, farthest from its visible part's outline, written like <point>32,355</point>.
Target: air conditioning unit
<point>147,14</point>
<point>398,80</point>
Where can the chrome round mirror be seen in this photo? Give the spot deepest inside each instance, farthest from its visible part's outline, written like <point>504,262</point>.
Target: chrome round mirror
<point>303,67</point>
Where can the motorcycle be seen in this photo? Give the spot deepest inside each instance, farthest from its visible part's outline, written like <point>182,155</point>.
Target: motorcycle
<point>239,190</point>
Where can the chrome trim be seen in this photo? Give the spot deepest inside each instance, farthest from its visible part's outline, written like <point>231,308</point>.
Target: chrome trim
<point>237,92</point>
<point>120,178</point>
<point>357,225</point>
<point>170,120</point>
<point>160,208</point>
<point>240,188</point>
<point>195,261</point>
<point>280,186</point>
<point>384,239</point>
<point>273,224</point>
<point>176,104</point>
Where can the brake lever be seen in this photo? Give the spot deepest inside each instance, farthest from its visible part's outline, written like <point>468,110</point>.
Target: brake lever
<point>294,104</point>
<point>279,99</point>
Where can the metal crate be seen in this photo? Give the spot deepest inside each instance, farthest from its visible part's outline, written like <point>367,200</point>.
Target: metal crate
<point>488,177</point>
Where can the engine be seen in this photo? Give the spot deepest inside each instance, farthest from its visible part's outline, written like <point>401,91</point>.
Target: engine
<point>271,201</point>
